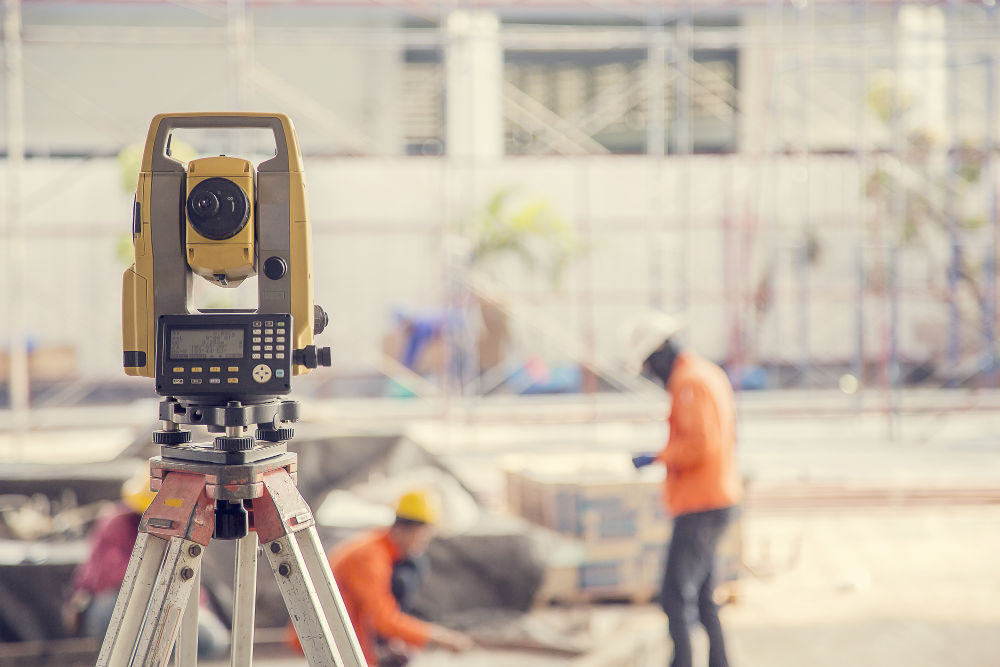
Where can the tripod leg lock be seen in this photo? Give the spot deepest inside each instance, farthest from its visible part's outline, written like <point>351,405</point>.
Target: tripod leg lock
<point>182,509</point>
<point>280,510</point>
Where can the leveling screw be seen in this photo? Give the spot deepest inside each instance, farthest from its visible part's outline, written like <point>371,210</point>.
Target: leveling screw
<point>284,569</point>
<point>187,573</point>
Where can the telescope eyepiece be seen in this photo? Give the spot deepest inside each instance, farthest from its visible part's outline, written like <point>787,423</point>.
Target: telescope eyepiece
<point>206,205</point>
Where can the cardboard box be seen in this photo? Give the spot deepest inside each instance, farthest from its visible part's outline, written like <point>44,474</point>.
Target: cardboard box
<point>46,363</point>
<point>622,526</point>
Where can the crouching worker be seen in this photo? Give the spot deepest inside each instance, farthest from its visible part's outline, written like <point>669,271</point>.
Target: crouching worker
<point>378,574</point>
<point>97,580</point>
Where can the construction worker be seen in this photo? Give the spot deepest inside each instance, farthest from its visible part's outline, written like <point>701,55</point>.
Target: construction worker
<point>378,573</point>
<point>703,486</point>
<point>97,580</point>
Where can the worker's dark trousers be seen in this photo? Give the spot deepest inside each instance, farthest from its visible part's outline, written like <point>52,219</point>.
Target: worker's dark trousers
<point>689,581</point>
<point>405,583</point>
<point>407,575</point>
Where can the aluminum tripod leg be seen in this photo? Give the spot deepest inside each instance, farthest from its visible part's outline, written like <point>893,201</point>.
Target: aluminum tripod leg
<point>163,570</point>
<point>171,593</point>
<point>329,594</point>
<point>130,608</point>
<point>186,654</point>
<point>147,620</point>
<point>303,575</point>
<point>243,605</point>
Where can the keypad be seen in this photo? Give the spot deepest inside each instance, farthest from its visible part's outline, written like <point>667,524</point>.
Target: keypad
<point>269,340</point>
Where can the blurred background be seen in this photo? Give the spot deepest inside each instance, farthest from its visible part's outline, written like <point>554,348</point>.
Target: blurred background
<point>495,188</point>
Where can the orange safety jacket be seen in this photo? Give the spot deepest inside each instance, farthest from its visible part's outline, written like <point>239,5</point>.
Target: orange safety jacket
<point>700,454</point>
<point>362,568</point>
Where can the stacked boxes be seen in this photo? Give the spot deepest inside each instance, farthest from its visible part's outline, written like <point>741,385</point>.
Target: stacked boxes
<point>621,525</point>
<point>619,522</point>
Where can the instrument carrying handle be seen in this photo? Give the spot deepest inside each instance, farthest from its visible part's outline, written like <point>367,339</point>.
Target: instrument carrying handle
<point>287,155</point>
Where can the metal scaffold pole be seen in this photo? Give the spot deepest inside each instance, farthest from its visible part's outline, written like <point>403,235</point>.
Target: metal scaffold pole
<point>16,284</point>
<point>951,212</point>
<point>864,209</point>
<point>990,176</point>
<point>683,145</point>
<point>897,211</point>
<point>802,260</point>
<point>656,138</point>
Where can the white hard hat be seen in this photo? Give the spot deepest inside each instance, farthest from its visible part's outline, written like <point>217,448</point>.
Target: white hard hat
<point>646,333</point>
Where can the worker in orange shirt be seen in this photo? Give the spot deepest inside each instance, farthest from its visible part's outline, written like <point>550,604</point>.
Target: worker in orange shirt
<point>703,487</point>
<point>379,571</point>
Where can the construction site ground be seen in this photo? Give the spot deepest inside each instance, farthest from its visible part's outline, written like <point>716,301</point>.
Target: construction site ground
<point>869,538</point>
<point>868,541</point>
<point>860,587</point>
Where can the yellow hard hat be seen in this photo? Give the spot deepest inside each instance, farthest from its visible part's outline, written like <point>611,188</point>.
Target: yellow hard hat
<point>136,493</point>
<point>417,506</point>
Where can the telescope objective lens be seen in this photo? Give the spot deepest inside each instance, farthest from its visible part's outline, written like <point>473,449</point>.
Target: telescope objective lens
<point>207,205</point>
<point>218,208</point>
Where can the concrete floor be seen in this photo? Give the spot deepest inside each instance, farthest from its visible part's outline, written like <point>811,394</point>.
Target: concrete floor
<point>916,587</point>
<point>859,588</point>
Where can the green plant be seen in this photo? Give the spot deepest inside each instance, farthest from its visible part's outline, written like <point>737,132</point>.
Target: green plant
<point>528,228</point>
<point>924,198</point>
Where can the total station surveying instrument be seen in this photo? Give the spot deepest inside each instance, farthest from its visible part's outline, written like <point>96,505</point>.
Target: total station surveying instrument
<point>225,220</point>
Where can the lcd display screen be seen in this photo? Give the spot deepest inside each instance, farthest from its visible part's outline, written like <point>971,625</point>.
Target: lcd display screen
<point>206,343</point>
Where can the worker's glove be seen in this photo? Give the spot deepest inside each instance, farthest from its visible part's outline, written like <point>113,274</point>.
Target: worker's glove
<point>643,460</point>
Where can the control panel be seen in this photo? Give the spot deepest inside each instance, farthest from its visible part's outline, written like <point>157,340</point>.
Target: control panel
<point>224,354</point>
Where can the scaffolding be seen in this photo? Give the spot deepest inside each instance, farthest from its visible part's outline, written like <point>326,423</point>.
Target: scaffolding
<point>778,103</point>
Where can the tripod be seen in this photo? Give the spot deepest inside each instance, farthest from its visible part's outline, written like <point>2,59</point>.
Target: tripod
<point>236,489</point>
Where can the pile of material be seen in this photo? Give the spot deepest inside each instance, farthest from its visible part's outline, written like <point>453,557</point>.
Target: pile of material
<point>617,517</point>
